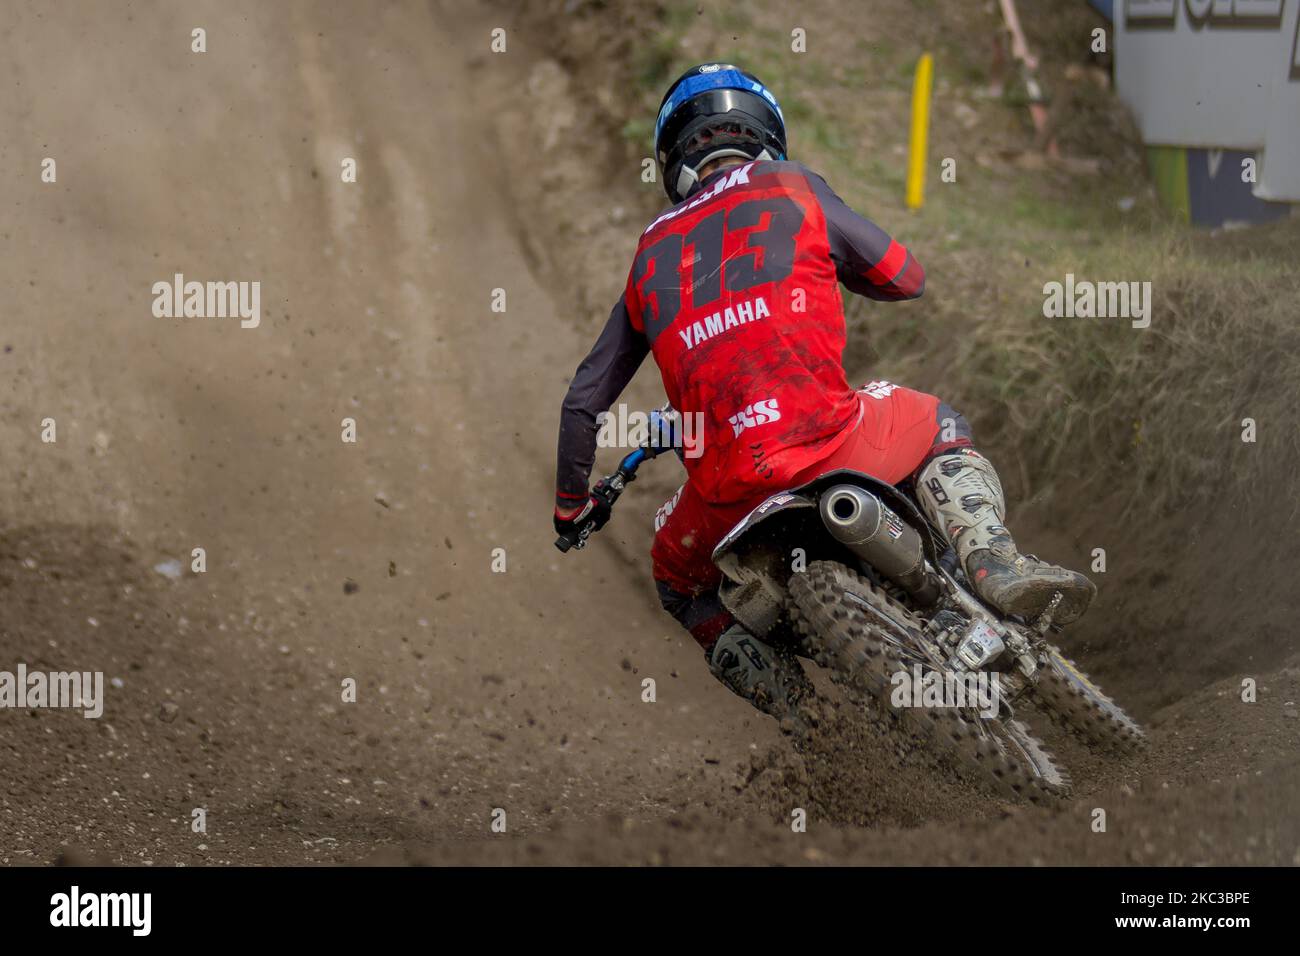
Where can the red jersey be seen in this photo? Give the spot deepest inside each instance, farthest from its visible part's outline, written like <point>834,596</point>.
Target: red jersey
<point>736,293</point>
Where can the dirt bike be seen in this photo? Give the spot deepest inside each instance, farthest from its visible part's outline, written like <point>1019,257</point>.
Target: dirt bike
<point>847,571</point>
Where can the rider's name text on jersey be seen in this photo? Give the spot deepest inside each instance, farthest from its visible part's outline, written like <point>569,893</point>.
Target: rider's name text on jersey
<point>131,910</point>
<point>747,310</point>
<point>739,177</point>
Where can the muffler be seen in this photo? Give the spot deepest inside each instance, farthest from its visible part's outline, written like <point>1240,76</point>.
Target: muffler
<point>866,526</point>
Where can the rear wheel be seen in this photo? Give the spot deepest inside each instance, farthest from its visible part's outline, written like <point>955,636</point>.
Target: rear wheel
<point>867,637</point>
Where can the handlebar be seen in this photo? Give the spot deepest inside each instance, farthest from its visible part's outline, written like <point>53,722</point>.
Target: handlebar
<point>663,437</point>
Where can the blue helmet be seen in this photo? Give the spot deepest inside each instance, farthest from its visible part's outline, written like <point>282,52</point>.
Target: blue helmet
<point>711,111</point>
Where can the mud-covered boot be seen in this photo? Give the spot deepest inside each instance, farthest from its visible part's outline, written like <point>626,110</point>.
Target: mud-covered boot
<point>962,495</point>
<point>773,681</point>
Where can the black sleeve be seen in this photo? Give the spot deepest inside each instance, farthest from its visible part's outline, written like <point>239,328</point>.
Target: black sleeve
<point>867,260</point>
<point>599,380</point>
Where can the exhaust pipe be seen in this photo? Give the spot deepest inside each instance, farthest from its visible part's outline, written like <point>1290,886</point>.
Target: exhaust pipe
<point>866,526</point>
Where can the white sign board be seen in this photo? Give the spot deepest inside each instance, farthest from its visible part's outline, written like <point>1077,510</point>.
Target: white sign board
<point>1216,73</point>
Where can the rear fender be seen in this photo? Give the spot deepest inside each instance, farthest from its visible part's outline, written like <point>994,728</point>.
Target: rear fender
<point>755,559</point>
<point>757,556</point>
<point>781,505</point>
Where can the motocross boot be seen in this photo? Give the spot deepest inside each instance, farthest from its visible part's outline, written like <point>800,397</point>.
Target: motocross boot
<point>961,494</point>
<point>773,681</point>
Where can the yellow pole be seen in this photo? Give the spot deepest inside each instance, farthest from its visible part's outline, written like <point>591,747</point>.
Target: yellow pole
<point>920,131</point>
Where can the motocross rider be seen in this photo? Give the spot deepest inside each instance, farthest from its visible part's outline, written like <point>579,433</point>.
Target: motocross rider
<point>735,290</point>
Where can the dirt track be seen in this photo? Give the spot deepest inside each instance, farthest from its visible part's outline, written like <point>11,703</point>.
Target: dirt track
<point>326,561</point>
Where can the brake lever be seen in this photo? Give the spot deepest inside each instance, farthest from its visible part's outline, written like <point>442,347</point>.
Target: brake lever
<point>564,542</point>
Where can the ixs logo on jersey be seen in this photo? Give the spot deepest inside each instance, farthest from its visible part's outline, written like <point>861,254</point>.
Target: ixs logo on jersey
<point>759,413</point>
